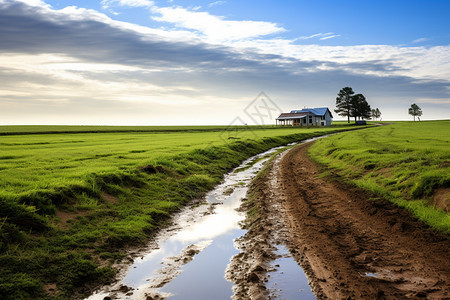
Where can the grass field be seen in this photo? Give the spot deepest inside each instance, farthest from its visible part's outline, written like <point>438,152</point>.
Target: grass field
<point>37,162</point>
<point>71,201</point>
<point>406,162</point>
<point>49,129</point>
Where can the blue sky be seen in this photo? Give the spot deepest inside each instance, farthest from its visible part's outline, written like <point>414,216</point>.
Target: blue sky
<point>138,62</point>
<point>401,22</point>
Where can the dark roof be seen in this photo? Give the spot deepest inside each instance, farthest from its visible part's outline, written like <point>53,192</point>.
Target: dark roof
<point>290,116</point>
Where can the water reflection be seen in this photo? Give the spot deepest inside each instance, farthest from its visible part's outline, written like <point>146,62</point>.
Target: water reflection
<point>288,281</point>
<point>193,254</point>
<point>224,220</point>
<point>205,235</point>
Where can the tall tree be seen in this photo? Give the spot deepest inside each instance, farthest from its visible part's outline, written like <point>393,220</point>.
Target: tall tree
<point>343,102</point>
<point>360,108</point>
<point>415,110</point>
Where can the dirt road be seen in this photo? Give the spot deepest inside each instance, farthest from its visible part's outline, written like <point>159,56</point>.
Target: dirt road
<point>350,246</point>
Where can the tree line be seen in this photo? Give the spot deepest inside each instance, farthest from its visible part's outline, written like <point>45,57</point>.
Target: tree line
<point>351,105</point>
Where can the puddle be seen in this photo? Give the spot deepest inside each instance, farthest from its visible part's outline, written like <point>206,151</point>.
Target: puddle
<point>189,259</point>
<point>205,279</point>
<point>287,280</point>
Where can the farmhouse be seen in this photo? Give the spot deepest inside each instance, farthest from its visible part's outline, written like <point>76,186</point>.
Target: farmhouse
<point>320,116</point>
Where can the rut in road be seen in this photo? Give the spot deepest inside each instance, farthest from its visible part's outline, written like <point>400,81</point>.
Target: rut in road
<point>354,245</point>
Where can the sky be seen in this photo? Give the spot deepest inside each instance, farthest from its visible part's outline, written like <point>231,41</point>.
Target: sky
<point>177,62</point>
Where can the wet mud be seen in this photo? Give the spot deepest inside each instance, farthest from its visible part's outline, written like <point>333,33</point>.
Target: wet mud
<point>350,244</point>
<point>264,246</point>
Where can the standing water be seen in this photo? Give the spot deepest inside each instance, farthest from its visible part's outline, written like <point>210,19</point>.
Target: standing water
<point>189,259</point>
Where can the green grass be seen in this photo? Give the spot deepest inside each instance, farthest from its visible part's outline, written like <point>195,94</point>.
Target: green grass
<point>113,189</point>
<point>36,162</point>
<point>48,129</point>
<point>405,162</point>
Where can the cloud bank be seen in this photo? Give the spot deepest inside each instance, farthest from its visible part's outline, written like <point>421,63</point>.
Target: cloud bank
<point>79,66</point>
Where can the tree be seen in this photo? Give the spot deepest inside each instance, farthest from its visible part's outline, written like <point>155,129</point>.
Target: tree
<point>415,110</point>
<point>376,113</point>
<point>359,107</point>
<point>343,102</point>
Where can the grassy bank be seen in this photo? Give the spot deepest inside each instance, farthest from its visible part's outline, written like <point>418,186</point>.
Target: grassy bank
<point>406,162</point>
<point>71,202</point>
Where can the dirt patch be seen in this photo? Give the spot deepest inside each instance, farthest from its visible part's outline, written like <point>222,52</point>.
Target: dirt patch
<point>110,198</point>
<point>354,246</point>
<point>441,199</point>
<point>386,172</point>
<point>65,218</point>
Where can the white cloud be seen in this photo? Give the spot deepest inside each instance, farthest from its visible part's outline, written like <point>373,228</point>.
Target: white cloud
<point>215,3</point>
<point>73,79</point>
<point>420,40</point>
<point>215,28</point>
<point>421,63</point>
<point>131,3</point>
<point>310,36</point>
<point>320,36</point>
<point>329,37</point>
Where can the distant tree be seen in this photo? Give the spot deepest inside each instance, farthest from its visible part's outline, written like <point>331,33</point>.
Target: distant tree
<point>343,102</point>
<point>414,111</point>
<point>375,113</point>
<point>360,108</point>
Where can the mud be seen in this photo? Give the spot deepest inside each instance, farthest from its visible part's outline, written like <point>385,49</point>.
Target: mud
<point>252,268</point>
<point>351,245</point>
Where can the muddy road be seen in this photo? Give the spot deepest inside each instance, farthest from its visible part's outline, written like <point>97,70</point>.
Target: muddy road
<point>190,259</point>
<point>350,246</point>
